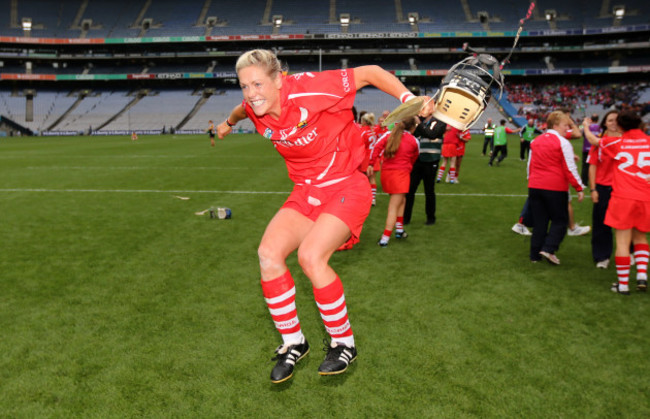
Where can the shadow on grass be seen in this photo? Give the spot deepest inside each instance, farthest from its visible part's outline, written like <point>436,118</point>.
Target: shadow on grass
<point>338,379</point>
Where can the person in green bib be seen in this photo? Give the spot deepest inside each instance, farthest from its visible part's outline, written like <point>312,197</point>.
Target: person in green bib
<point>528,132</point>
<point>488,132</point>
<point>501,142</point>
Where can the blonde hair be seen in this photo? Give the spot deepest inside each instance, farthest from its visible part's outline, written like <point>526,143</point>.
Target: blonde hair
<point>555,117</point>
<point>395,137</point>
<point>262,58</point>
<point>368,119</point>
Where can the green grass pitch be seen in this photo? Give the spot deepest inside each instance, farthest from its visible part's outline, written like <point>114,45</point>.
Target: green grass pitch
<point>116,300</point>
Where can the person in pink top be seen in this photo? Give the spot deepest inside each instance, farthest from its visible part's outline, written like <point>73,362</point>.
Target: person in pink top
<point>400,150</point>
<point>551,169</point>
<point>629,206</point>
<point>308,118</point>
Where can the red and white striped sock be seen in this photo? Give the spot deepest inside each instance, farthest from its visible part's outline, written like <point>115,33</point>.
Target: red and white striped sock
<point>399,225</point>
<point>452,174</point>
<point>280,297</point>
<point>331,304</point>
<point>386,236</point>
<point>441,172</point>
<point>623,272</point>
<point>373,188</point>
<point>641,255</point>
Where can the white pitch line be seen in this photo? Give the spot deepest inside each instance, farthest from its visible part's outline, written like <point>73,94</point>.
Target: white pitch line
<point>136,191</point>
<point>134,168</point>
<point>222,192</point>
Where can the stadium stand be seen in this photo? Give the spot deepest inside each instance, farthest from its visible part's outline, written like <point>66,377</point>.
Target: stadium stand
<point>48,106</point>
<point>107,18</point>
<point>170,72</point>
<point>239,20</point>
<point>217,108</point>
<point>172,17</point>
<point>112,19</point>
<point>94,110</point>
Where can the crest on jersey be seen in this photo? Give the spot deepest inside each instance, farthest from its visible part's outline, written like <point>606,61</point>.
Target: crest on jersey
<point>268,133</point>
<point>304,114</point>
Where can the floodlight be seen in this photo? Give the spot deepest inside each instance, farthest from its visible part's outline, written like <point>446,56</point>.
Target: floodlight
<point>27,24</point>
<point>619,12</point>
<point>277,20</point>
<point>414,17</point>
<point>344,18</point>
<point>550,15</point>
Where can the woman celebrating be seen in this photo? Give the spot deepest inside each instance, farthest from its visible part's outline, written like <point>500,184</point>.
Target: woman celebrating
<point>601,178</point>
<point>308,118</point>
<point>400,150</point>
<point>369,140</point>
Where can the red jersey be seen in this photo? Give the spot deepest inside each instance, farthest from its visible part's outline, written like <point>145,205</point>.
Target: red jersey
<point>604,165</point>
<point>369,139</point>
<point>464,137</point>
<point>452,136</point>
<point>551,165</point>
<point>316,133</point>
<point>632,166</point>
<point>380,130</point>
<point>404,158</point>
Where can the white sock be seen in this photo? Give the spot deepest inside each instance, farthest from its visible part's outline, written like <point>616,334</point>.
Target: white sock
<point>346,340</point>
<point>293,338</point>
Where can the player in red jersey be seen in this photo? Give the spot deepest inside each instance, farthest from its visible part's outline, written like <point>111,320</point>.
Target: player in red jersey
<point>400,151</point>
<point>369,139</point>
<point>629,207</point>
<point>601,176</point>
<point>380,129</point>
<point>449,153</point>
<point>308,118</point>
<point>464,138</point>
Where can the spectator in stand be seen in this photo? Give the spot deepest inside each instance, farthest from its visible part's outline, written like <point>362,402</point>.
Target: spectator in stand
<point>501,142</point>
<point>488,133</point>
<point>601,176</point>
<point>551,169</point>
<point>400,151</point>
<point>553,96</point>
<point>629,207</point>
<point>528,132</point>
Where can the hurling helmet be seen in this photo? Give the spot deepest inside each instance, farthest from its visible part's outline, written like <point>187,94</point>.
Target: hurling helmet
<point>466,90</point>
